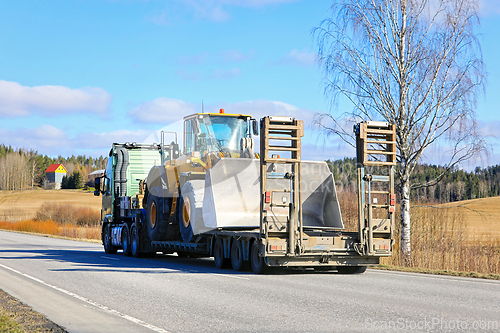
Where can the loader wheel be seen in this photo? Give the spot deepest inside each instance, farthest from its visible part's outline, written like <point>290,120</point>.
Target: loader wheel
<point>157,227</point>
<point>126,240</point>
<point>191,205</point>
<point>219,260</point>
<point>135,248</point>
<point>106,240</point>
<point>351,269</point>
<point>256,261</point>
<point>237,255</point>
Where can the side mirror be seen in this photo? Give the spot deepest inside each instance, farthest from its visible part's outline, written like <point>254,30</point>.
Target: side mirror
<point>97,186</point>
<point>255,127</point>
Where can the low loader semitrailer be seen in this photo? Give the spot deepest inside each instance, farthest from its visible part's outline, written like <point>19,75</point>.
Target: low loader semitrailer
<point>218,198</point>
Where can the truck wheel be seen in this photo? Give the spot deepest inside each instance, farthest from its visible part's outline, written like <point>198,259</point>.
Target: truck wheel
<point>219,260</point>
<point>157,227</point>
<point>351,269</point>
<point>191,207</point>
<point>106,240</point>
<point>237,255</point>
<point>256,261</point>
<point>135,248</point>
<point>126,240</point>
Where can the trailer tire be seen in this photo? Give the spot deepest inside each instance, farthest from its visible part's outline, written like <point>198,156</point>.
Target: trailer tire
<point>219,260</point>
<point>237,261</point>
<point>135,245</point>
<point>106,240</point>
<point>191,207</point>
<point>156,225</point>
<point>256,261</point>
<point>126,240</point>
<point>351,269</point>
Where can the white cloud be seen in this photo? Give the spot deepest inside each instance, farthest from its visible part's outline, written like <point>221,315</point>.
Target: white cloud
<point>17,100</point>
<point>227,74</point>
<point>301,58</point>
<point>45,139</point>
<point>215,10</point>
<point>489,7</point>
<point>162,110</point>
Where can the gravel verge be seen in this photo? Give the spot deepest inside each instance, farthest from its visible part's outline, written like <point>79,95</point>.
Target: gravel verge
<point>28,320</point>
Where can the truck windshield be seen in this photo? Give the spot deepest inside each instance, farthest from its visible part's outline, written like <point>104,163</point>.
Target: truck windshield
<point>223,132</point>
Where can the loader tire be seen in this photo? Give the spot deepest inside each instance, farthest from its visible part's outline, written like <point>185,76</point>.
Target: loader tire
<point>191,208</point>
<point>156,225</point>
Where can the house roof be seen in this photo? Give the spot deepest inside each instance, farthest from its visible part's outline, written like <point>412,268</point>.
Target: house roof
<point>56,168</point>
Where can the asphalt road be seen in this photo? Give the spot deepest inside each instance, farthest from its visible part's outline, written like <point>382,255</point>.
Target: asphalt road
<point>76,285</point>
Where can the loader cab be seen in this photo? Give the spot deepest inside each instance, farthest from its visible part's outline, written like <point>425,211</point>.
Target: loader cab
<point>217,133</point>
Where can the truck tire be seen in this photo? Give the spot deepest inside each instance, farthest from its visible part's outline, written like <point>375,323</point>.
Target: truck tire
<point>191,207</point>
<point>351,269</point>
<point>256,261</point>
<point>135,246</point>
<point>237,261</point>
<point>156,224</point>
<point>106,240</point>
<point>126,240</point>
<point>219,260</point>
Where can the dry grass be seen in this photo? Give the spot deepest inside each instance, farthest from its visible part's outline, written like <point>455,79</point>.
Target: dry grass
<point>460,237</point>
<point>23,205</point>
<point>65,214</point>
<point>54,228</point>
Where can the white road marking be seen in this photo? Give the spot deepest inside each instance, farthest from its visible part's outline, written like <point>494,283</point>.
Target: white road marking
<point>109,258</point>
<point>88,301</point>
<point>232,276</point>
<point>439,277</point>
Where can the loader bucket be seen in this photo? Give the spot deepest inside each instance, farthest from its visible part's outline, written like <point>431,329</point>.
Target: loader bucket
<point>232,195</point>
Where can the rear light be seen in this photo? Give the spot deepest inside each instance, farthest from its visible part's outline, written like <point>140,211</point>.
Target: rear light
<point>267,197</point>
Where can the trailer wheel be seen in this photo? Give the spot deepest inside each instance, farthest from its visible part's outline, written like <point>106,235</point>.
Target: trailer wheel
<point>219,260</point>
<point>237,255</point>
<point>157,227</point>
<point>106,240</point>
<point>351,269</point>
<point>256,261</point>
<point>191,205</point>
<point>135,248</point>
<point>126,240</point>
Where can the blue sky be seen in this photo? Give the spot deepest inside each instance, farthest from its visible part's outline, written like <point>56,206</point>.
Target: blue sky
<point>77,75</point>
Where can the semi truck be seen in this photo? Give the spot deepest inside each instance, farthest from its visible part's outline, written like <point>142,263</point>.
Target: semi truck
<point>247,205</point>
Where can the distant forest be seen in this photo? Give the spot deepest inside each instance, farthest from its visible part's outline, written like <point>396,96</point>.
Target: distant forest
<point>24,169</point>
<point>455,185</point>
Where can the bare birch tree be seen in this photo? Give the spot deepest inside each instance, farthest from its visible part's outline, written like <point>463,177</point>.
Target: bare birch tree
<point>414,63</point>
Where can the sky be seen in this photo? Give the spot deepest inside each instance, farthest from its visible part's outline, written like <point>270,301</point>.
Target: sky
<point>78,75</point>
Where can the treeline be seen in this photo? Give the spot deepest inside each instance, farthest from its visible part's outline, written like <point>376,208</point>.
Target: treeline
<point>455,185</point>
<point>22,169</point>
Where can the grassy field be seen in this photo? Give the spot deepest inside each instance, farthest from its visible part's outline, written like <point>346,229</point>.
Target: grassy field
<point>481,217</point>
<point>23,205</point>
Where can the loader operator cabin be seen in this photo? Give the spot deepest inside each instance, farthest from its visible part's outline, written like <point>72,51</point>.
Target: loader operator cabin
<point>54,175</point>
